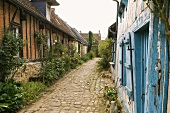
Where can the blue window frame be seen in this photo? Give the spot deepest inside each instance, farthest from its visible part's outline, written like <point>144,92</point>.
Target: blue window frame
<point>125,64</point>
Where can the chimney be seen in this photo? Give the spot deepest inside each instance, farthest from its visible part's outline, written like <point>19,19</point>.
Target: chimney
<point>53,9</point>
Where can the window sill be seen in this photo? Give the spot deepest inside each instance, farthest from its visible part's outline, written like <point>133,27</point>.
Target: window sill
<point>112,63</point>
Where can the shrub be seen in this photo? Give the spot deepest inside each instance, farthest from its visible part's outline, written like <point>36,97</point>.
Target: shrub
<point>8,52</point>
<point>66,62</point>
<point>11,99</point>
<point>59,66</point>
<point>32,90</point>
<point>84,58</point>
<point>110,94</point>
<point>91,55</point>
<point>105,52</point>
<point>74,63</point>
<point>48,73</point>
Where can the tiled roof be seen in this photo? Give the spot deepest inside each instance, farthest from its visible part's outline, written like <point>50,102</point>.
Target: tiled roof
<point>97,35</point>
<point>28,5</point>
<point>29,8</point>
<point>86,35</point>
<point>53,2</point>
<point>112,31</point>
<point>79,37</point>
<point>55,19</point>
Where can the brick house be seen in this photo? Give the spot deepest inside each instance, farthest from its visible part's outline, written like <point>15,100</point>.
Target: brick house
<point>96,40</point>
<point>28,17</point>
<point>82,48</point>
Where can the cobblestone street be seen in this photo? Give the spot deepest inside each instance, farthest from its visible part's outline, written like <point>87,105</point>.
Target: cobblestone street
<point>80,91</point>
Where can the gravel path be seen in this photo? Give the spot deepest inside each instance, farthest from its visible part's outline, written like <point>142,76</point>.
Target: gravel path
<point>80,91</point>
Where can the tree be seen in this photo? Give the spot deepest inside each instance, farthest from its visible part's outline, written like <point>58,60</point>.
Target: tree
<point>105,49</point>
<point>90,40</point>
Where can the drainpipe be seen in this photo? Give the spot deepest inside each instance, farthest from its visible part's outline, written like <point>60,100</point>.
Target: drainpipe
<point>116,24</point>
<point>117,16</point>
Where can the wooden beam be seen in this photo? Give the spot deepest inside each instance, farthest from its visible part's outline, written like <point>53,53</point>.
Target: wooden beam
<point>13,17</point>
<point>4,15</point>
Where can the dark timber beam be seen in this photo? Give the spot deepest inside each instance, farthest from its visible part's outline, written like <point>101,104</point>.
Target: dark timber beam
<point>13,17</point>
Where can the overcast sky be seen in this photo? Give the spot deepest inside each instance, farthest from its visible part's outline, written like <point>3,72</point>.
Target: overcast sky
<point>88,15</point>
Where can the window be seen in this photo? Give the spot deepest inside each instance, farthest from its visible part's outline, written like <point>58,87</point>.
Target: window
<point>114,53</point>
<point>122,52</point>
<point>48,38</point>
<point>16,33</point>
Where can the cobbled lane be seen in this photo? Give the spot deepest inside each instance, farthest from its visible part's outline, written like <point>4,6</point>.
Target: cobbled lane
<point>80,91</point>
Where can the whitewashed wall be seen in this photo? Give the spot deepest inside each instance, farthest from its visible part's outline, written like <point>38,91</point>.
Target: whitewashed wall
<point>131,12</point>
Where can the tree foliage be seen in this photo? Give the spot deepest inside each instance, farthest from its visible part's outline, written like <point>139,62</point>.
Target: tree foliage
<point>105,49</point>
<point>90,40</point>
<point>9,50</point>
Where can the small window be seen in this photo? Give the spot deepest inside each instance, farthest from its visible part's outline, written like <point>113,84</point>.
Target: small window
<point>48,38</point>
<point>114,53</point>
<point>16,33</point>
<point>122,61</point>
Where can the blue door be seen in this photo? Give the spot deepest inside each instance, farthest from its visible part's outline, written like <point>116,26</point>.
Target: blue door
<point>141,55</point>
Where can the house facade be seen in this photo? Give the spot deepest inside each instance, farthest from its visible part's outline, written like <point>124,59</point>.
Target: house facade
<point>140,61</point>
<point>31,19</point>
<point>95,41</point>
<point>28,17</point>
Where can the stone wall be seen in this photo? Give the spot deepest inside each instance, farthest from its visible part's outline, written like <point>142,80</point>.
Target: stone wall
<point>28,70</point>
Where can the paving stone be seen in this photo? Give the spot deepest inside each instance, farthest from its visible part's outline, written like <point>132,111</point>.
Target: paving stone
<point>80,91</point>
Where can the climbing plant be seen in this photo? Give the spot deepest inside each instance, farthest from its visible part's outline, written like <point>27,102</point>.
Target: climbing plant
<point>158,7</point>
<point>39,38</point>
<point>9,59</point>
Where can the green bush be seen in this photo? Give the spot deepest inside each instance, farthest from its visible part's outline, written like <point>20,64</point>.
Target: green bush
<point>8,52</point>
<point>74,63</point>
<point>91,54</point>
<point>11,99</point>
<point>84,58</point>
<point>105,49</point>
<point>66,62</point>
<point>48,73</point>
<point>59,66</point>
<point>32,90</point>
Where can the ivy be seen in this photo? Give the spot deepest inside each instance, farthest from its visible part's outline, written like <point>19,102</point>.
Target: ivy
<point>158,7</point>
<point>40,39</point>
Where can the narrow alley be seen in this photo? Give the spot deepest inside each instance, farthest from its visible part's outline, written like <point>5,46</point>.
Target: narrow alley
<point>80,91</point>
